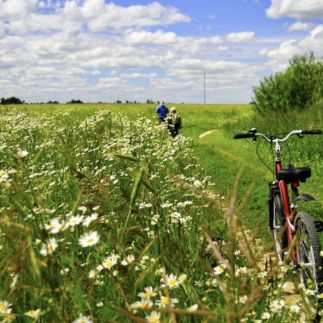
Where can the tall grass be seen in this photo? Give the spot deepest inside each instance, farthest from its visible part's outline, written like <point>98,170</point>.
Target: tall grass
<point>107,219</point>
<point>310,149</point>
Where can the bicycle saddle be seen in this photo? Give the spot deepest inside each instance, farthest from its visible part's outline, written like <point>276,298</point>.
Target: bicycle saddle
<point>294,174</point>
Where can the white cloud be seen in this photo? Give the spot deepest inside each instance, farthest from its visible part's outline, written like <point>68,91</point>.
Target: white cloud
<point>145,37</point>
<point>96,15</point>
<point>299,25</point>
<point>16,8</point>
<point>278,58</point>
<point>300,9</point>
<point>287,49</point>
<point>223,48</point>
<point>241,36</point>
<point>3,30</point>
<point>101,16</point>
<point>101,51</point>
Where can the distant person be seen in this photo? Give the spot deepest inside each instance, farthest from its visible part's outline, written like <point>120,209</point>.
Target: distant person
<point>162,111</point>
<point>174,122</point>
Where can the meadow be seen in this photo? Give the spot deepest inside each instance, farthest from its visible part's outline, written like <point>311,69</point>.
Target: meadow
<point>105,218</point>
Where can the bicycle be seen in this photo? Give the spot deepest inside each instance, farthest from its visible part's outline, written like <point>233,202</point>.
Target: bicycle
<point>295,233</point>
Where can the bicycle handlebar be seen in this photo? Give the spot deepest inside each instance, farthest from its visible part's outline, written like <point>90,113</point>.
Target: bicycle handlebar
<point>254,134</point>
<point>312,132</point>
<point>243,135</point>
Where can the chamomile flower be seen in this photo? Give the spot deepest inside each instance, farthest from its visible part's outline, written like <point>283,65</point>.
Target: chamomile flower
<point>89,239</point>
<point>148,293</point>
<point>5,307</point>
<point>295,309</point>
<point>83,319</point>
<point>142,304</point>
<point>218,270</point>
<point>153,317</point>
<point>265,316</point>
<point>193,308</point>
<point>54,226</point>
<point>34,314</point>
<point>171,281</point>
<point>277,305</point>
<point>22,153</point>
<point>110,261</point>
<point>49,247</point>
<point>75,220</point>
<point>128,260</point>
<point>166,301</point>
<point>88,220</point>
<point>83,209</point>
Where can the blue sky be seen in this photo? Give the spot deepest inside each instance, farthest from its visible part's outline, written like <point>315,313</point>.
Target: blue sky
<point>97,50</point>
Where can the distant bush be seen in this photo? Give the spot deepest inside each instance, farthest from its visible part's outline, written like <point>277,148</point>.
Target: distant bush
<point>298,88</point>
<point>75,102</point>
<point>52,102</point>
<point>11,100</point>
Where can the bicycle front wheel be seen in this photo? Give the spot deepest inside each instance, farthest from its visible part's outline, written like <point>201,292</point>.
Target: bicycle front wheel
<point>308,254</point>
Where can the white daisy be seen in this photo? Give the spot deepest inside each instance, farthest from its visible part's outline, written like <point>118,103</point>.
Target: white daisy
<point>89,239</point>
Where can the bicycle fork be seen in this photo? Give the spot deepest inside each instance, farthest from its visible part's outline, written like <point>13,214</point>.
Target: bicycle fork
<point>286,210</point>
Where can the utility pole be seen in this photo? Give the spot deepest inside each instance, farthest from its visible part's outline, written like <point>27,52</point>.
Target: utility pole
<point>204,89</point>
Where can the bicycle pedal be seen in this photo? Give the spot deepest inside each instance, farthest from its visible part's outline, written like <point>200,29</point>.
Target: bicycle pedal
<point>318,226</point>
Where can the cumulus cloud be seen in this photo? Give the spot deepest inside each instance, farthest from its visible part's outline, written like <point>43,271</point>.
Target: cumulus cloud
<point>145,37</point>
<point>241,36</point>
<point>95,15</point>
<point>299,25</point>
<point>300,9</point>
<point>97,50</point>
<point>285,51</point>
<point>16,8</point>
<point>101,16</point>
<point>313,41</point>
<point>278,58</point>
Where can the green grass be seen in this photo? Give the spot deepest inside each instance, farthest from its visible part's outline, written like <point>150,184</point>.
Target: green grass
<point>155,216</point>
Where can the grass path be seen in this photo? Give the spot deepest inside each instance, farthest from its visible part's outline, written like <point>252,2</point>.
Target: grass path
<point>234,155</point>
<point>224,158</point>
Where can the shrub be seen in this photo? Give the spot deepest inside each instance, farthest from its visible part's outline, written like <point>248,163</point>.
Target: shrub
<point>11,100</point>
<point>75,102</point>
<point>298,88</point>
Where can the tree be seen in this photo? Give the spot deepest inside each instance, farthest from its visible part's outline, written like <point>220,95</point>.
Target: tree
<point>75,102</point>
<point>299,87</point>
<point>11,100</point>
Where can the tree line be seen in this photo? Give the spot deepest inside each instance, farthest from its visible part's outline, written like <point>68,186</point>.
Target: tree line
<point>15,100</point>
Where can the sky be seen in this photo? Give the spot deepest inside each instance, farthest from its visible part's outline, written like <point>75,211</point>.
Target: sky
<point>98,50</point>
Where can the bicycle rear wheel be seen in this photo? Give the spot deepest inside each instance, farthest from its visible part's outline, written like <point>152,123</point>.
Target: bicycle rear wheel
<point>278,228</point>
<point>308,256</point>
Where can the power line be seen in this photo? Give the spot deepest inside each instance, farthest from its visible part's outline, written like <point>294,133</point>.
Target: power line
<point>204,88</point>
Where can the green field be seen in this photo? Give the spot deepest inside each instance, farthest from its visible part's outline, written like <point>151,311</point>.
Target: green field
<point>104,218</point>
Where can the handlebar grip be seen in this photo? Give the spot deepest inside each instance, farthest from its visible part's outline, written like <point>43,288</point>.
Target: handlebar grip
<point>312,132</point>
<point>243,135</point>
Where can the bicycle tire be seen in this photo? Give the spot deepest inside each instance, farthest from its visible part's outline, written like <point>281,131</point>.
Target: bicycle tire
<point>278,228</point>
<point>309,259</point>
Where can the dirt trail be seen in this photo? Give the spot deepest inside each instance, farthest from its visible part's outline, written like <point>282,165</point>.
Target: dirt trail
<point>204,134</point>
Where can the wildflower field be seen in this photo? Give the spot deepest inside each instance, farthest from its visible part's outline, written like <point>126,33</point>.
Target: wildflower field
<point>105,218</point>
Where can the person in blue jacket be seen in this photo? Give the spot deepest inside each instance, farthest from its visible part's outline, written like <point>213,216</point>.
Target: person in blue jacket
<point>162,111</point>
